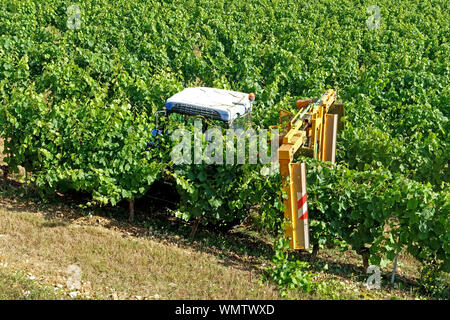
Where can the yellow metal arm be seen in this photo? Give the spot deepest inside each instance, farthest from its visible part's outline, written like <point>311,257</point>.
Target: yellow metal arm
<point>296,136</point>
<point>309,124</point>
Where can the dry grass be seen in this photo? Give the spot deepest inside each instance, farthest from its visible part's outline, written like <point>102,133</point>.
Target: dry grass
<point>123,261</point>
<point>114,264</point>
<point>153,258</point>
<point>18,286</point>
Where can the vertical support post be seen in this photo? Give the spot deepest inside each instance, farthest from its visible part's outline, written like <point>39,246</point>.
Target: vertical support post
<point>131,210</point>
<point>285,174</point>
<point>314,136</point>
<point>331,125</point>
<point>322,132</point>
<point>338,109</point>
<point>299,206</point>
<point>394,270</point>
<point>194,228</point>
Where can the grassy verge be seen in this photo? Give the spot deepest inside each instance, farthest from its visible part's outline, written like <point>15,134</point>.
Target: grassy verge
<point>115,262</point>
<point>19,286</point>
<point>154,257</point>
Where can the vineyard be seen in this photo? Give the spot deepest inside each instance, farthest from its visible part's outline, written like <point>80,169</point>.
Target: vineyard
<point>80,85</point>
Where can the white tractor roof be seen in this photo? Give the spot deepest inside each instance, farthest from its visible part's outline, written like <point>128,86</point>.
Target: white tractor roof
<point>214,103</point>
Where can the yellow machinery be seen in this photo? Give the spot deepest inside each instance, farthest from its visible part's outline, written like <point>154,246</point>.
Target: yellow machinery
<point>312,130</point>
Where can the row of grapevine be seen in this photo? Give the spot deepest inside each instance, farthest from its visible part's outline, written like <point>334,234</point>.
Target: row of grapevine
<point>77,103</point>
<point>379,212</point>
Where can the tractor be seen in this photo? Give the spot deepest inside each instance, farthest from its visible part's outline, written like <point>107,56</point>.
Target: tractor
<point>312,130</point>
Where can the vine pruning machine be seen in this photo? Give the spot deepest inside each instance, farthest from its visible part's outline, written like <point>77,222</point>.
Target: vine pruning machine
<point>312,130</point>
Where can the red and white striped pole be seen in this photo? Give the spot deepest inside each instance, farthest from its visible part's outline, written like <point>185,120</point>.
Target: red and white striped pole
<point>299,206</point>
<point>302,208</point>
